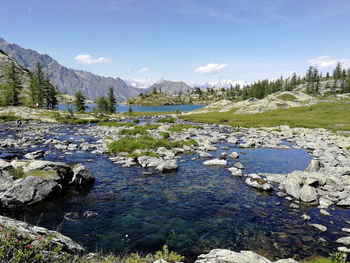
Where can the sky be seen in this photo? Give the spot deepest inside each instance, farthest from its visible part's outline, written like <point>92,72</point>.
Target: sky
<point>196,41</point>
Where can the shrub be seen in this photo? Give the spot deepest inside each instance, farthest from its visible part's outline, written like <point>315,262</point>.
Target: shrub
<point>181,127</point>
<point>165,135</point>
<point>115,124</point>
<point>6,118</point>
<point>287,97</point>
<point>17,173</point>
<point>167,120</point>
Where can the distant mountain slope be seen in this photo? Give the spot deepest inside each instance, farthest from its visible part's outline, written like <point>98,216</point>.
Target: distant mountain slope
<point>171,87</point>
<point>69,80</point>
<point>5,62</point>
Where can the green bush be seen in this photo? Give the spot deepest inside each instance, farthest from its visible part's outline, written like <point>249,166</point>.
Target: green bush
<point>130,144</point>
<point>8,117</point>
<point>167,120</point>
<point>181,127</point>
<point>115,124</point>
<point>17,173</point>
<point>287,97</point>
<point>165,135</point>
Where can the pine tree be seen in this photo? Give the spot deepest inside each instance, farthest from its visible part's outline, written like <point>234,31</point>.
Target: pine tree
<point>79,102</point>
<point>12,87</point>
<point>337,73</point>
<point>50,93</point>
<point>102,105</point>
<point>111,101</point>
<point>37,84</point>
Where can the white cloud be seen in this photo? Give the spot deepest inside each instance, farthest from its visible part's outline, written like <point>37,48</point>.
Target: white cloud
<point>128,70</point>
<point>143,70</point>
<point>139,83</point>
<point>326,62</point>
<point>210,68</point>
<point>87,59</point>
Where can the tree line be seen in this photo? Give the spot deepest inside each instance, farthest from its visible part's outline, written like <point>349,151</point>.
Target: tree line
<point>41,91</point>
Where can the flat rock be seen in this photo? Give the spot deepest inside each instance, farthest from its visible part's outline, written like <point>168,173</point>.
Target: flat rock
<point>258,183</point>
<point>344,240</point>
<point>215,162</point>
<point>319,227</point>
<point>227,256</point>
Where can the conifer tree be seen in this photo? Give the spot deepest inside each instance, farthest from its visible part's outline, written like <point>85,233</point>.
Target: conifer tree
<point>12,87</point>
<point>111,101</point>
<point>79,102</point>
<point>102,105</point>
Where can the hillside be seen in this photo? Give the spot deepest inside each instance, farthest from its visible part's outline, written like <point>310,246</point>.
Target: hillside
<point>69,80</point>
<point>170,87</point>
<point>23,73</point>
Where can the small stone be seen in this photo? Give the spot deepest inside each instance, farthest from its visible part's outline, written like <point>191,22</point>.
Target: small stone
<point>239,165</point>
<point>344,240</point>
<point>305,217</point>
<point>343,249</point>
<point>324,212</point>
<point>347,230</point>
<point>294,206</point>
<point>234,155</point>
<point>319,227</point>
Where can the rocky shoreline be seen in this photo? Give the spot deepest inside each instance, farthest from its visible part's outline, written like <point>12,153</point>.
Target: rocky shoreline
<point>325,183</point>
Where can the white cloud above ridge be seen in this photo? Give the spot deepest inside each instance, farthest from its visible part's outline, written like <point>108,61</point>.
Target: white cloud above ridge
<point>327,62</point>
<point>88,59</point>
<point>210,68</point>
<point>143,70</point>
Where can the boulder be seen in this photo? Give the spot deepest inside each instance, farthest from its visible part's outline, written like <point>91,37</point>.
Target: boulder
<point>227,256</point>
<point>35,155</point>
<point>234,155</point>
<point>148,161</point>
<point>319,227</point>
<point>308,194</point>
<point>258,183</point>
<point>81,175</point>
<point>215,162</point>
<point>235,171</point>
<point>167,165</point>
<point>344,240</point>
<point>239,165</point>
<point>314,166</point>
<point>54,239</point>
<point>28,191</point>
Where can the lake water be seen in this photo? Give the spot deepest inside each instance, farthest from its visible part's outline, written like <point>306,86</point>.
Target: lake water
<point>125,108</point>
<point>192,210</point>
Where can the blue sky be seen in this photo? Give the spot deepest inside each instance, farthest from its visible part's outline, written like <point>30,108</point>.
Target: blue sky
<point>196,41</point>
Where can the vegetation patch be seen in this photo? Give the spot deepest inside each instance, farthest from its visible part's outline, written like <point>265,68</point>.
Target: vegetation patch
<point>130,144</point>
<point>18,173</point>
<point>322,115</point>
<point>167,120</point>
<point>116,124</point>
<point>8,117</point>
<point>146,153</point>
<point>165,135</point>
<point>287,97</point>
<point>181,127</point>
<point>74,120</point>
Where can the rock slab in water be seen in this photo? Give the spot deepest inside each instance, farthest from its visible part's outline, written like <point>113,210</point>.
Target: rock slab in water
<point>215,162</point>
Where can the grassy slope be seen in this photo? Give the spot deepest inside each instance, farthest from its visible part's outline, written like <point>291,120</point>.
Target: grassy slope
<point>329,115</point>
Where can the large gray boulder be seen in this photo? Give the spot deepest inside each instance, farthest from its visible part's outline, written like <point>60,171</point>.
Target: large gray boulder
<point>148,161</point>
<point>308,194</point>
<point>81,175</point>
<point>167,165</point>
<point>28,191</point>
<point>39,233</point>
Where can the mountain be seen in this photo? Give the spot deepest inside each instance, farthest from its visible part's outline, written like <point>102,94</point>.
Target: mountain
<point>23,73</point>
<point>226,84</point>
<point>171,87</point>
<point>69,80</point>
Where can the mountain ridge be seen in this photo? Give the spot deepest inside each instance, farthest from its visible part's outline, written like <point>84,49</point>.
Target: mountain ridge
<point>69,80</point>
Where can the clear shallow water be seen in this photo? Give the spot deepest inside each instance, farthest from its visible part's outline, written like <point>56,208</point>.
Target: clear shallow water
<point>125,108</point>
<point>192,210</point>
